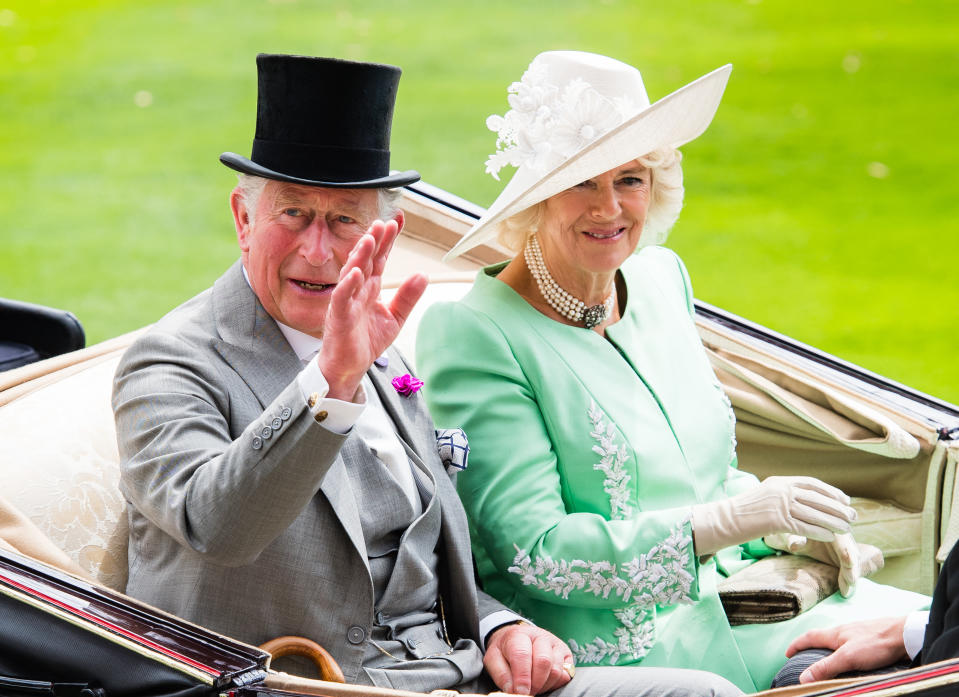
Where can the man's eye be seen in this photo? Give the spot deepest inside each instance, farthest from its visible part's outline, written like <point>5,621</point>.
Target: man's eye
<point>345,219</point>
<point>292,212</point>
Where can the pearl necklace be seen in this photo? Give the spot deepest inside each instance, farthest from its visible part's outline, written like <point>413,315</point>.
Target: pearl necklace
<point>565,304</point>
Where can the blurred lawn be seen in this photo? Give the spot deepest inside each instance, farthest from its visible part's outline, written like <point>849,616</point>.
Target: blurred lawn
<point>821,202</point>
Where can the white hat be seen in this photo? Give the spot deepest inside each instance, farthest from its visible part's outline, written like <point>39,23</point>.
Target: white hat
<point>576,115</point>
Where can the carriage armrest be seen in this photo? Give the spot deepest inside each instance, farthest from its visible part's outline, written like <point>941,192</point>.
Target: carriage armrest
<point>30,332</point>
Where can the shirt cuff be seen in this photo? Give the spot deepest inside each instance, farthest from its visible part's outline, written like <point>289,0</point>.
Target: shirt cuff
<point>496,620</point>
<point>333,414</point>
<point>914,631</point>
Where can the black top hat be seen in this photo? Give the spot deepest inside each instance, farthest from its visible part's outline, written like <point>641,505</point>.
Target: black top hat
<point>323,122</point>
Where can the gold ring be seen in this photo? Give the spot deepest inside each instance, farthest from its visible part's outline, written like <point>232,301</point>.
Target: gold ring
<point>570,669</point>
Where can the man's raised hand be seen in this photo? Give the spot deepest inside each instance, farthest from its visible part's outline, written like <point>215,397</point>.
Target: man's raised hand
<point>359,327</point>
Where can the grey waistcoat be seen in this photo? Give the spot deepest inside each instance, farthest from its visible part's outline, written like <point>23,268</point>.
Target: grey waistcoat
<point>401,549</point>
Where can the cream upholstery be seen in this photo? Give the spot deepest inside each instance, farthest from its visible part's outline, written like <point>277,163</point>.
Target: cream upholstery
<point>60,467</point>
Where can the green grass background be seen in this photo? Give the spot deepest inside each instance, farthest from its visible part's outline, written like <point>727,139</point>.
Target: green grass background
<point>821,202</point>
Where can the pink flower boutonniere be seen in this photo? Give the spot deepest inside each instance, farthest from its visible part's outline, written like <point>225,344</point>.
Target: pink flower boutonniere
<point>406,385</point>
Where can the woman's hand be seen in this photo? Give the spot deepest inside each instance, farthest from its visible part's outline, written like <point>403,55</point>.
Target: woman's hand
<point>843,552</point>
<point>798,505</point>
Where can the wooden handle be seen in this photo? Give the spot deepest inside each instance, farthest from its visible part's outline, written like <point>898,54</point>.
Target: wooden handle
<point>301,646</point>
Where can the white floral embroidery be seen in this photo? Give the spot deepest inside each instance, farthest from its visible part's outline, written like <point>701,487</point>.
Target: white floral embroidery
<point>732,420</point>
<point>613,458</point>
<point>658,577</point>
<point>634,638</point>
<point>548,122</point>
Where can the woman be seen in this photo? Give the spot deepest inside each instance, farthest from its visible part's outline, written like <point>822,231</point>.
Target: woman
<point>602,486</point>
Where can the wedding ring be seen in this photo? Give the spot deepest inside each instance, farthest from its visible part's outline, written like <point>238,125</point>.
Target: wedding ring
<point>570,669</point>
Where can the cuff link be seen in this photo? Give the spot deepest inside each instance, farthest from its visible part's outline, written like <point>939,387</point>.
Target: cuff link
<point>320,415</point>
<point>314,398</point>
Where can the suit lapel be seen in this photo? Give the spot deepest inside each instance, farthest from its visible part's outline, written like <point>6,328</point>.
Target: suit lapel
<point>336,487</point>
<point>250,340</point>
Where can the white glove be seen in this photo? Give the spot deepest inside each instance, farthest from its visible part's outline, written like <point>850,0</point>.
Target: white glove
<point>842,552</point>
<point>799,505</point>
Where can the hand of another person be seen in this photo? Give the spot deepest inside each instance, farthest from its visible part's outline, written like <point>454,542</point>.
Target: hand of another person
<point>359,327</point>
<point>865,645</point>
<point>800,505</point>
<point>854,560</point>
<point>526,660</point>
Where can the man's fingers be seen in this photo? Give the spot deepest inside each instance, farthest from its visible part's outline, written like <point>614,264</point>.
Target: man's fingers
<point>360,255</point>
<point>498,669</point>
<point>813,639</point>
<point>385,237</point>
<point>557,674</point>
<point>346,288</point>
<point>519,654</point>
<point>542,664</point>
<point>406,296</point>
<point>828,667</point>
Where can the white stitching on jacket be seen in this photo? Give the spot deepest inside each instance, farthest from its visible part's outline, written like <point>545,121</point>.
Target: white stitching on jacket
<point>634,638</point>
<point>658,577</point>
<point>611,464</point>
<point>732,419</point>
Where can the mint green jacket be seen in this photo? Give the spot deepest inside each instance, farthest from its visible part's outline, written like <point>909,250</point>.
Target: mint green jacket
<point>586,456</point>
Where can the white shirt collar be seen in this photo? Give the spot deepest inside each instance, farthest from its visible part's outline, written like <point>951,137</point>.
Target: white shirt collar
<point>304,345</point>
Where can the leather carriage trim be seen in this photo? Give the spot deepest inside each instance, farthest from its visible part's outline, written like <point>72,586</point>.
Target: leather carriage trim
<point>107,630</point>
<point>947,674</point>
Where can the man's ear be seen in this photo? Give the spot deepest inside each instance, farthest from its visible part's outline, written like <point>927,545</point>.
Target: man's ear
<point>241,218</point>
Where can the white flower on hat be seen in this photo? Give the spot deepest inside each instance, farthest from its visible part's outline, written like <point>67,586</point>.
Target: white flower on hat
<point>548,123</point>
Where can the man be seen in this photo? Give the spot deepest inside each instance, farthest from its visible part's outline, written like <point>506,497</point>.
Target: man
<point>279,484</point>
<point>882,644</point>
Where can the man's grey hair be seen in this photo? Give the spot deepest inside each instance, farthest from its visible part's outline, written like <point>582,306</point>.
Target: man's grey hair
<point>251,187</point>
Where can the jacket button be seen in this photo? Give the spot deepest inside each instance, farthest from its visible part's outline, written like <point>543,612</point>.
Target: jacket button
<point>276,423</point>
<point>257,442</point>
<point>286,413</point>
<point>267,433</point>
<point>355,635</point>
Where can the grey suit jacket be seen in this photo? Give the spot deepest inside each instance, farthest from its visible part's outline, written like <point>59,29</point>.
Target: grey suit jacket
<point>249,535</point>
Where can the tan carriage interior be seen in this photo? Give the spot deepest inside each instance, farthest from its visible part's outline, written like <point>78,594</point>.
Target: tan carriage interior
<point>59,461</point>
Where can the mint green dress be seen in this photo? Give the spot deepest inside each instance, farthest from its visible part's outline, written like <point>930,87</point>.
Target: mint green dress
<point>585,456</point>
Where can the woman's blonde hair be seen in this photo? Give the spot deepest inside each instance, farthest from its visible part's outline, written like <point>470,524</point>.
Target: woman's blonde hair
<point>665,203</point>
